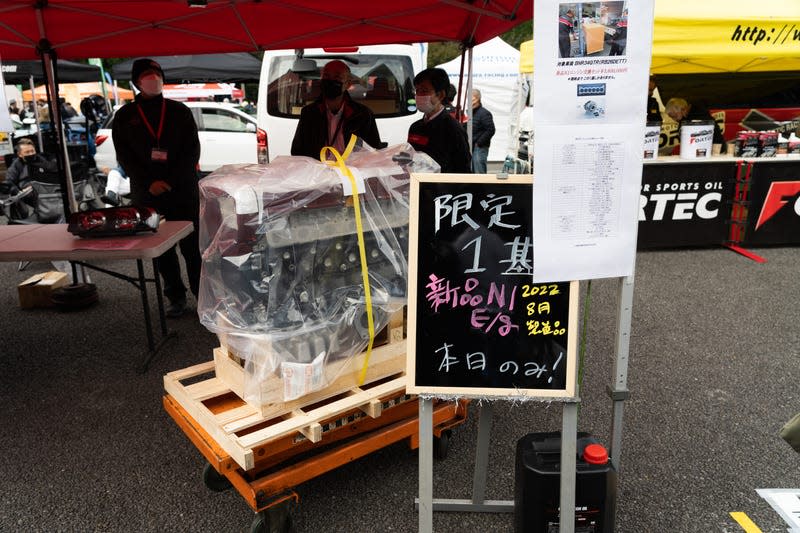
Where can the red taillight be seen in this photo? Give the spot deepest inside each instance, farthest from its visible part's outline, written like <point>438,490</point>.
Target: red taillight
<point>113,221</point>
<point>100,139</point>
<point>91,220</point>
<point>342,50</point>
<point>262,147</point>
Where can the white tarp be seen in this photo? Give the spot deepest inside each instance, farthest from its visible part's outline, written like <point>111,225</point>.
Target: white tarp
<point>495,72</point>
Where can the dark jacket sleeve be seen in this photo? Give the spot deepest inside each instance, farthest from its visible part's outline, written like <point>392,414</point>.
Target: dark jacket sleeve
<point>13,174</point>
<point>460,154</point>
<point>301,133</point>
<point>370,134</point>
<point>185,165</point>
<point>125,147</point>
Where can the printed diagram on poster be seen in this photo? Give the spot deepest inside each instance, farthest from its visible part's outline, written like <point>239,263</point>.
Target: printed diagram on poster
<point>591,71</point>
<point>477,324</point>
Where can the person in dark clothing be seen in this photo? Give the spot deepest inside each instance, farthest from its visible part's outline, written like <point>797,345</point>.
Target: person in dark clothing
<point>565,33</point>
<point>620,38</point>
<point>158,147</point>
<point>653,111</point>
<point>334,116</point>
<point>482,133</point>
<point>437,133</point>
<point>679,109</point>
<point>17,175</point>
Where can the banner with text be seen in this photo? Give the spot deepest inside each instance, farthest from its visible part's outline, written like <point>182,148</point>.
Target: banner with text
<point>591,66</point>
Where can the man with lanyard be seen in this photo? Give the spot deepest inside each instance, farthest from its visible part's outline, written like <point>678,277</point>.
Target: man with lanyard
<point>158,147</point>
<point>437,133</point>
<point>334,116</point>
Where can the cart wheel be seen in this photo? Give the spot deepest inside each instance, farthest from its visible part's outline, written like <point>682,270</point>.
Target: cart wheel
<point>276,519</point>
<point>214,480</point>
<point>441,445</point>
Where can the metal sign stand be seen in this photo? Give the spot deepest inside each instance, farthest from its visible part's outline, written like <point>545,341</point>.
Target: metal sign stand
<point>427,504</point>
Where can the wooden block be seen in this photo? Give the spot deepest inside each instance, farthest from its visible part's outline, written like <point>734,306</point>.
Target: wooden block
<point>37,290</point>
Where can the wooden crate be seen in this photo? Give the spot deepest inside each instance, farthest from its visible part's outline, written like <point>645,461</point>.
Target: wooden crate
<point>248,436</point>
<point>388,358</point>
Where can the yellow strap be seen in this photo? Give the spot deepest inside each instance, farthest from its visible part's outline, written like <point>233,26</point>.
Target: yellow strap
<point>340,159</point>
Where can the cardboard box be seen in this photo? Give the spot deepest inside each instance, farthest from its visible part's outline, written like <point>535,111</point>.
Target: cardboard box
<point>37,290</point>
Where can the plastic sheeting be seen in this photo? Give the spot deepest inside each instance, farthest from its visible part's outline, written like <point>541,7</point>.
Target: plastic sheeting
<point>282,277</point>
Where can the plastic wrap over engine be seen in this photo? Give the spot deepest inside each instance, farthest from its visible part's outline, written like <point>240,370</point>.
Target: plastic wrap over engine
<point>282,283</point>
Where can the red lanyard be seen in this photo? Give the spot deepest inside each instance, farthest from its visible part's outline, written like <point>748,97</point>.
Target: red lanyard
<point>157,137</point>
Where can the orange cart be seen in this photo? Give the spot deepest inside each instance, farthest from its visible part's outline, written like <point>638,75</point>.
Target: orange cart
<point>288,460</point>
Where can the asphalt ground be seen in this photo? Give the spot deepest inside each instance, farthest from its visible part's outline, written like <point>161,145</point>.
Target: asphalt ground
<point>713,375</point>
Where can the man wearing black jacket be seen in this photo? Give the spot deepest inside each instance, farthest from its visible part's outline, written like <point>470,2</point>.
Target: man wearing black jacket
<point>334,116</point>
<point>158,147</point>
<point>482,133</point>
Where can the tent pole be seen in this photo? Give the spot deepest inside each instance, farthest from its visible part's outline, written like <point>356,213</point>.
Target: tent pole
<point>459,106</point>
<point>57,124</point>
<point>468,99</point>
<point>36,113</point>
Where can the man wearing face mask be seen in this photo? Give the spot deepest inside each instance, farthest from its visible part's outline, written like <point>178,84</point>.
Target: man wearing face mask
<point>18,174</point>
<point>158,147</point>
<point>437,133</point>
<point>334,116</point>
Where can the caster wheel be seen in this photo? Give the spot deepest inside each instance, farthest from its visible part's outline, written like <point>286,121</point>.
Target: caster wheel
<point>214,480</point>
<point>441,444</point>
<point>276,519</point>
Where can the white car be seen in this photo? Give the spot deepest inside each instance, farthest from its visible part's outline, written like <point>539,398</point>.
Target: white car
<point>227,136</point>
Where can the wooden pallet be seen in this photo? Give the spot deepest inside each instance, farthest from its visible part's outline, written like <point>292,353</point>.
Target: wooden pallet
<point>242,431</point>
<point>388,358</point>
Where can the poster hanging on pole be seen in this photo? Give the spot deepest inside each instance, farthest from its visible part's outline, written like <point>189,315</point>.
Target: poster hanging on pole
<point>591,68</point>
<point>478,326</point>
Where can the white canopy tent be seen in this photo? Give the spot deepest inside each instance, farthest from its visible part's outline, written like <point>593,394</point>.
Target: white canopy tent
<point>495,73</point>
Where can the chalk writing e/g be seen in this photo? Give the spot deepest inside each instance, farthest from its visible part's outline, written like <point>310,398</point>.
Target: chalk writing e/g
<point>480,319</point>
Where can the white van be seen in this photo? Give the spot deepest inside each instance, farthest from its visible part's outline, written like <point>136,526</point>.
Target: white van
<point>383,81</point>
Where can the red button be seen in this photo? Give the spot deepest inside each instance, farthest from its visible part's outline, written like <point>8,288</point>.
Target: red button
<point>595,454</point>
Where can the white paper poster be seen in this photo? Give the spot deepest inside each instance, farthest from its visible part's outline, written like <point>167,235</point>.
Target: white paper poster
<point>591,68</point>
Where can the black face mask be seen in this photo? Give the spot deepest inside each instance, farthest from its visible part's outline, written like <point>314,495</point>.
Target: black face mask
<point>28,159</point>
<point>331,88</point>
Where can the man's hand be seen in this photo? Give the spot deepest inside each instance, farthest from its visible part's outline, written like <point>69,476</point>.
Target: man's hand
<point>159,187</point>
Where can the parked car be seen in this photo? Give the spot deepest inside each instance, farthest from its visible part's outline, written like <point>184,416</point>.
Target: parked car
<point>227,136</point>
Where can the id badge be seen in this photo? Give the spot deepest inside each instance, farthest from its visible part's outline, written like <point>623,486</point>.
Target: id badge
<point>157,154</point>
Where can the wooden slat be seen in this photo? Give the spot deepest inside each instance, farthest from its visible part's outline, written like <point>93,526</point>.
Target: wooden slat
<point>204,390</point>
<point>321,413</point>
<point>197,410</point>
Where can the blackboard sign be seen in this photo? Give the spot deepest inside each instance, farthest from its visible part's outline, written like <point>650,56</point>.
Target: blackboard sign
<point>477,324</point>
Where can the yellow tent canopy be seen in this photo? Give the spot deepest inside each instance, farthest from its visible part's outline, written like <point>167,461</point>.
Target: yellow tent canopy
<point>526,57</point>
<point>716,36</point>
<point>719,36</point>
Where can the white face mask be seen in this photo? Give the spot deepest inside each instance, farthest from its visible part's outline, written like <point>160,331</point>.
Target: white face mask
<point>151,84</point>
<point>425,103</point>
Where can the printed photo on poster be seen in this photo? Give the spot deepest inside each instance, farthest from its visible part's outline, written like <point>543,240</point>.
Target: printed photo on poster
<point>592,29</point>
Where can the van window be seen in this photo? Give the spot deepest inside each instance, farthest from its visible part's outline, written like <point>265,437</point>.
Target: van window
<point>384,83</point>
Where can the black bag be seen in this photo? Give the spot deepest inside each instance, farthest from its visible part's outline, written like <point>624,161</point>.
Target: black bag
<point>49,205</point>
